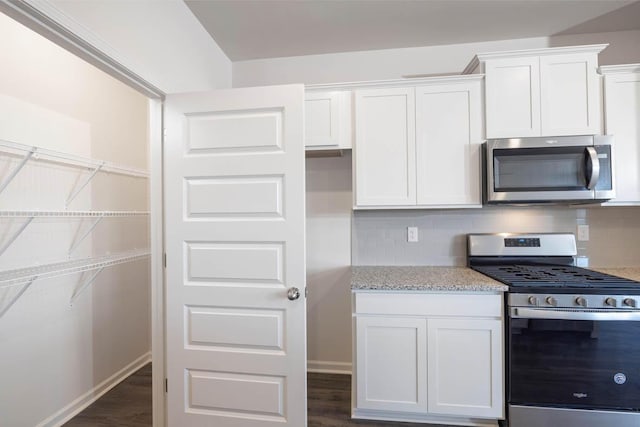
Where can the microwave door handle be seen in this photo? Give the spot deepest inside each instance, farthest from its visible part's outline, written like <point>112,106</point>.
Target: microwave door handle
<point>593,168</point>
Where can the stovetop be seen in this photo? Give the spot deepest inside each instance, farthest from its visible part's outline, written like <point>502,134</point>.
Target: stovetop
<point>556,278</point>
<point>540,263</point>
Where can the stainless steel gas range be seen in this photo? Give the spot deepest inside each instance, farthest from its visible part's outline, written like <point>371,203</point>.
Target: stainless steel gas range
<point>572,334</point>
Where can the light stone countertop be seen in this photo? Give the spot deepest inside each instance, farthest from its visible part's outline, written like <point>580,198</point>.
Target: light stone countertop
<point>631,273</point>
<point>416,278</point>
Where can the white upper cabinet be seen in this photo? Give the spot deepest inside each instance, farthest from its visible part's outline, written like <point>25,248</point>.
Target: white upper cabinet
<point>541,92</point>
<point>448,144</point>
<point>512,87</point>
<point>385,160</point>
<point>622,120</point>
<point>327,120</point>
<point>570,95</point>
<point>419,146</point>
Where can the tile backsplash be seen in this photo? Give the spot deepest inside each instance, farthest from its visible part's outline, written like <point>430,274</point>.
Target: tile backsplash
<point>380,237</point>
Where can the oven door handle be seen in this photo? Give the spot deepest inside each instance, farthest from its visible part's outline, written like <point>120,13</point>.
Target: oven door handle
<point>559,314</point>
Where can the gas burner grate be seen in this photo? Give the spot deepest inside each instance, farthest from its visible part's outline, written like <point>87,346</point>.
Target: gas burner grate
<point>516,275</point>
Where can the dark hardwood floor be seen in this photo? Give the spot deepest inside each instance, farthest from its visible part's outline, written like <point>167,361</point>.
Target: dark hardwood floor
<point>329,404</point>
<point>129,404</point>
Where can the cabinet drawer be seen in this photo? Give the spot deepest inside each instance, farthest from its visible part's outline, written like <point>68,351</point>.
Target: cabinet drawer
<point>428,304</point>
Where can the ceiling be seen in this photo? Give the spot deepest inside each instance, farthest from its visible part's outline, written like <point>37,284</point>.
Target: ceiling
<point>252,29</point>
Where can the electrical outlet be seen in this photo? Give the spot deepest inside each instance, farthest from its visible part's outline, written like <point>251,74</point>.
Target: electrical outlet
<point>412,234</point>
<point>583,233</point>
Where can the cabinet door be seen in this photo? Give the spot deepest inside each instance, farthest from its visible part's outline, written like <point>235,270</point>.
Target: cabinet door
<point>512,87</point>
<point>321,115</point>
<point>569,95</point>
<point>385,162</point>
<point>466,367</point>
<point>391,363</point>
<point>448,141</point>
<point>622,118</point>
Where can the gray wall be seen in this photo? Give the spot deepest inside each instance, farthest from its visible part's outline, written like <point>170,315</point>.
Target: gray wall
<point>380,237</point>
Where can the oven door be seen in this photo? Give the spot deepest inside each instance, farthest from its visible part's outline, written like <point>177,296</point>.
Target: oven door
<point>547,170</point>
<point>574,359</point>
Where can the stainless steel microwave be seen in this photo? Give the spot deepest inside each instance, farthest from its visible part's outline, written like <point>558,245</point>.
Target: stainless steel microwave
<point>567,169</point>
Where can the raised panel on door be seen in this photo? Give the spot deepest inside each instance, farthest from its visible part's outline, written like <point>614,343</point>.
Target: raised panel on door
<point>465,367</point>
<point>321,115</point>
<point>391,363</point>
<point>569,95</point>
<point>512,97</point>
<point>622,118</point>
<point>385,169</point>
<point>448,142</point>
<point>234,203</point>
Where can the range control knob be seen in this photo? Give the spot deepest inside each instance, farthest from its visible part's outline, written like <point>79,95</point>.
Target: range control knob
<point>629,302</point>
<point>551,301</point>
<point>533,300</point>
<point>581,301</point>
<point>611,302</point>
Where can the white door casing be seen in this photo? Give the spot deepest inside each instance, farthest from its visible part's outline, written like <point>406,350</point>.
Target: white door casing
<point>234,202</point>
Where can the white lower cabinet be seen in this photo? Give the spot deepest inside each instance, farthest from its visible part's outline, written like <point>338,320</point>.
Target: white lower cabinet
<point>465,366</point>
<point>427,358</point>
<point>394,357</point>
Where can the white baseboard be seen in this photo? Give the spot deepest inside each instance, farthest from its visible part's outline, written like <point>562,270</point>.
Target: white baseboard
<point>323,367</point>
<point>82,402</point>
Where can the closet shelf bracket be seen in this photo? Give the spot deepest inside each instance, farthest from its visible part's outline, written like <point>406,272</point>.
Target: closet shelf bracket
<point>84,184</point>
<point>12,239</point>
<point>17,296</point>
<point>18,168</point>
<point>75,244</point>
<point>85,285</point>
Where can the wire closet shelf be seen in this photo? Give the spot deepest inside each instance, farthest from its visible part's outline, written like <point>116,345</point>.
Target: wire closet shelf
<point>45,154</point>
<point>21,276</point>
<point>70,214</point>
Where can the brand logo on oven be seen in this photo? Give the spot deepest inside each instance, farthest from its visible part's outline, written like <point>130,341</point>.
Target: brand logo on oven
<point>580,395</point>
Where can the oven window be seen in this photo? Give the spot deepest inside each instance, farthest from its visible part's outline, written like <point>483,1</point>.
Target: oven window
<point>578,364</point>
<point>540,169</point>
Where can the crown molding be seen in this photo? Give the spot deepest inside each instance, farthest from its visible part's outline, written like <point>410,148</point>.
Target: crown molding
<point>409,81</point>
<point>622,68</point>
<point>564,50</point>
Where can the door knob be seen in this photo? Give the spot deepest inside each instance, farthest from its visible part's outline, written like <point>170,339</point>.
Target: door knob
<point>293,293</point>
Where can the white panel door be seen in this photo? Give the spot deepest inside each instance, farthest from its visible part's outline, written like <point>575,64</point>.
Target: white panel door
<point>622,117</point>
<point>569,95</point>
<point>465,367</point>
<point>385,148</point>
<point>391,363</point>
<point>448,142</point>
<point>234,182</point>
<point>512,97</point>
